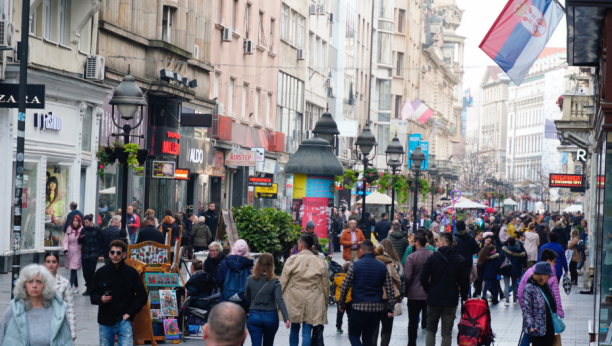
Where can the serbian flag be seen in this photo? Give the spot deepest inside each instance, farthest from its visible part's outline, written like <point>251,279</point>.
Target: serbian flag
<point>520,33</point>
<point>407,110</point>
<point>421,112</point>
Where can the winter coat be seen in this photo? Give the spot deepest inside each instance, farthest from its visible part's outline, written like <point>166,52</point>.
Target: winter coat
<point>561,259</point>
<point>563,237</point>
<point>62,287</point>
<point>532,241</point>
<point>150,233</point>
<point>175,231</point>
<point>305,283</point>
<point>399,241</point>
<point>108,235</point>
<point>552,282</point>
<point>467,247</point>
<point>409,250</point>
<point>212,221</point>
<point>234,262</point>
<point>338,279</point>
<point>345,241</point>
<point>491,267</point>
<point>412,273</point>
<point>394,275</point>
<point>512,230</point>
<point>543,237</point>
<point>572,246</point>
<point>17,334</point>
<point>91,243</point>
<point>535,307</point>
<point>211,265</point>
<point>71,244</point>
<point>517,257</point>
<point>69,217</point>
<point>441,280</point>
<point>200,235</point>
<point>382,229</point>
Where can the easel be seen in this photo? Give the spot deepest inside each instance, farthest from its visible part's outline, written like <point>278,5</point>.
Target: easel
<point>178,252</point>
<point>227,226</point>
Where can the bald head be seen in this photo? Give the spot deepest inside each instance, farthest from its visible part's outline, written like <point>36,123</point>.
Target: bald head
<point>226,325</point>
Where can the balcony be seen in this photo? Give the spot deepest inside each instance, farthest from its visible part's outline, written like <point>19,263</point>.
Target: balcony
<point>577,122</point>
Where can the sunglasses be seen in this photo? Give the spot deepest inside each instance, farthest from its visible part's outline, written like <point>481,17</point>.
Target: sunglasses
<point>118,253</point>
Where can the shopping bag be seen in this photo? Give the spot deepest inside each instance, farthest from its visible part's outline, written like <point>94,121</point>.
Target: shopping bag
<point>557,341</point>
<point>567,285</point>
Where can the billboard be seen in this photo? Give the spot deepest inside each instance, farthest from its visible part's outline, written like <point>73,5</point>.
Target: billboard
<point>414,141</point>
<point>566,180</point>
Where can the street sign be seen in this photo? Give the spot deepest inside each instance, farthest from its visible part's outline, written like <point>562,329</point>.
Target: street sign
<point>261,154</point>
<point>35,96</point>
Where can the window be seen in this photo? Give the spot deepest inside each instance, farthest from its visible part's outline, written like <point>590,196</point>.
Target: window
<point>256,106</point>
<point>289,110</point>
<point>216,86</point>
<point>86,129</point>
<point>47,20</point>
<point>167,24</point>
<point>312,50</point>
<point>292,28</point>
<point>268,103</point>
<point>300,32</point>
<point>63,8</point>
<point>383,137</point>
<point>398,106</point>
<point>230,97</point>
<point>401,18</point>
<point>33,24</point>
<point>384,48</point>
<point>261,37</point>
<point>400,61</point>
<point>219,10</point>
<point>247,13</point>
<point>284,22</point>
<point>245,91</point>
<point>271,34</point>
<point>234,14</point>
<point>322,54</point>
<point>384,95</point>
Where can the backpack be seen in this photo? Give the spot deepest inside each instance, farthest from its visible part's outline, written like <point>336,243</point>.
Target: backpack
<point>475,325</point>
<point>580,246</point>
<point>234,285</point>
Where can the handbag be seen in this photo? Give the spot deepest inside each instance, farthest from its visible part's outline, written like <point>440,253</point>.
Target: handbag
<point>567,285</point>
<point>557,341</point>
<point>397,309</point>
<point>557,322</point>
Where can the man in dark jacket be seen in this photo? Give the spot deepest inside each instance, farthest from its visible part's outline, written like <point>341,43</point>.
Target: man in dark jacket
<point>212,219</point>
<point>150,233</point>
<point>111,233</point>
<point>441,276</point>
<point>417,298</point>
<point>91,242</point>
<point>337,227</point>
<point>467,247</point>
<point>367,278</point>
<point>562,236</point>
<point>73,212</point>
<point>120,294</point>
<point>382,228</point>
<point>397,237</point>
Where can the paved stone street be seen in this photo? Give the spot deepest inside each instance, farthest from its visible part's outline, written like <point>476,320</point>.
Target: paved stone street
<point>507,321</point>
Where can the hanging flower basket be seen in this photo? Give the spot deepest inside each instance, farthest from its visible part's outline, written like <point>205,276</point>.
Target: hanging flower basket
<point>560,103</point>
<point>129,154</point>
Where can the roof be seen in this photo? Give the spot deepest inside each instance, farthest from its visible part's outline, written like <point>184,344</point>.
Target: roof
<point>551,51</point>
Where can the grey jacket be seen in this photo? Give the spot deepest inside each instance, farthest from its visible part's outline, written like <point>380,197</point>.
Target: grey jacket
<point>412,273</point>
<point>200,235</point>
<point>265,295</point>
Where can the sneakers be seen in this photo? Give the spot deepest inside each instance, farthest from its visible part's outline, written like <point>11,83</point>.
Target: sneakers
<point>514,301</point>
<point>86,293</point>
<point>75,290</point>
<point>507,303</point>
<point>339,331</point>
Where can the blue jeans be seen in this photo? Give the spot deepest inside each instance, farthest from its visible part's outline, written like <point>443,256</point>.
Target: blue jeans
<point>122,329</point>
<point>491,285</point>
<point>526,340</point>
<point>294,336</point>
<point>133,238</point>
<point>262,325</point>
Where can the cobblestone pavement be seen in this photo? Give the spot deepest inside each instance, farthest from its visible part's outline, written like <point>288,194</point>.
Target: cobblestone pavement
<point>506,321</point>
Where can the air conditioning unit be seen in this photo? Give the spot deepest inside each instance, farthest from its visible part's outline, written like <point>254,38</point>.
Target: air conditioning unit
<point>249,47</point>
<point>7,31</point>
<point>331,17</point>
<point>94,69</point>
<point>301,54</point>
<point>227,35</point>
<point>328,83</point>
<point>322,9</point>
<point>219,108</point>
<point>312,9</point>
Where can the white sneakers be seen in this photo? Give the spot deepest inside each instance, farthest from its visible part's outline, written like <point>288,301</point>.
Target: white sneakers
<point>507,303</point>
<point>75,290</point>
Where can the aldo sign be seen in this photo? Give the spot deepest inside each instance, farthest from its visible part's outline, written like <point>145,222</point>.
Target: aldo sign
<point>195,155</point>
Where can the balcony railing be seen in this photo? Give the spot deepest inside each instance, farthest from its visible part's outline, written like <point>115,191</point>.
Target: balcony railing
<point>577,108</point>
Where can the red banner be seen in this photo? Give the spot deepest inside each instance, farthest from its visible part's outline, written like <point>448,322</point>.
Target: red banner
<point>316,209</point>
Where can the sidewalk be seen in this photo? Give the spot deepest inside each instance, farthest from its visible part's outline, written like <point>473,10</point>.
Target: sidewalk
<point>506,320</point>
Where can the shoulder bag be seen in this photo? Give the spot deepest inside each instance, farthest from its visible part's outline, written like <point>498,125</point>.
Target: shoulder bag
<point>557,322</point>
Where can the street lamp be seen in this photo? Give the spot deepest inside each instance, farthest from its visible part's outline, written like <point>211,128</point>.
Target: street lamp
<point>365,143</point>
<point>127,97</point>
<point>395,158</point>
<point>417,157</point>
<point>433,173</point>
<point>327,128</point>
<point>448,177</point>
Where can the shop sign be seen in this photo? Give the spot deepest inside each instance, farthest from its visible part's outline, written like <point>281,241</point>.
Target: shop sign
<point>163,141</point>
<point>267,192</point>
<point>601,181</point>
<point>181,174</point>
<point>566,180</point>
<point>256,181</point>
<point>217,168</point>
<point>261,154</point>
<point>35,96</point>
<point>48,121</point>
<point>239,157</point>
<point>268,166</point>
<point>320,186</point>
<point>163,169</point>
<point>195,155</point>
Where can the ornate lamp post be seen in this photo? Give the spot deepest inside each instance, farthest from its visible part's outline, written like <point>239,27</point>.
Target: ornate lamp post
<point>327,128</point>
<point>365,143</point>
<point>490,182</point>
<point>395,158</point>
<point>127,98</point>
<point>434,173</point>
<point>417,157</point>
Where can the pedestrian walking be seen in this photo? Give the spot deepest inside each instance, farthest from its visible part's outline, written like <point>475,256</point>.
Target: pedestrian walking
<point>386,321</point>
<point>169,224</point>
<point>62,288</point>
<point>310,230</point>
<point>149,232</point>
<point>200,235</point>
<point>90,240</point>
<point>562,236</point>
<point>212,218</point>
<point>467,247</point>
<point>226,325</point>
<point>398,239</point>
<point>542,232</point>
<point>518,260</point>
<point>214,259</point>
<point>532,243</point>
<point>233,273</point>
<point>538,306</point>
<point>36,316</point>
<point>575,259</point>
<point>382,227</point>
<point>110,233</point>
<point>73,211</point>
<point>584,237</point>
<point>264,291</point>
<point>368,277</point>
<point>561,264</point>
<point>133,223</point>
<point>120,294</point>
<point>337,227</point>
<point>305,284</point>
<point>348,304</point>
<point>72,251</point>
<point>417,297</point>
<point>441,277</point>
<point>491,262</point>
<point>350,240</point>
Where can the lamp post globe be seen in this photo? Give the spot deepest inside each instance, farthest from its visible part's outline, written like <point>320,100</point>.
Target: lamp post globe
<point>395,153</point>
<point>327,128</point>
<point>127,97</point>
<point>365,141</point>
<point>417,157</point>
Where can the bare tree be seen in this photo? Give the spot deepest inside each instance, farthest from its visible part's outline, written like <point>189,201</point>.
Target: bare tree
<point>477,165</point>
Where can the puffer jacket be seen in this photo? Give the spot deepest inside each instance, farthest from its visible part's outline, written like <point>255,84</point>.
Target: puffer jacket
<point>534,308</point>
<point>517,257</point>
<point>394,275</point>
<point>491,267</point>
<point>200,235</point>
<point>399,241</point>
<point>552,282</point>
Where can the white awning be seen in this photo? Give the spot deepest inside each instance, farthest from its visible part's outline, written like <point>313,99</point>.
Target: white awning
<point>110,191</point>
<point>470,205</point>
<point>377,198</point>
<point>508,201</point>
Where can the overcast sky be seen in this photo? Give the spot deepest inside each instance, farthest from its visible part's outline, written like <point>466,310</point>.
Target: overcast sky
<point>478,17</point>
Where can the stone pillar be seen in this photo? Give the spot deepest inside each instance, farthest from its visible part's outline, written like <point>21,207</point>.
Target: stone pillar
<point>137,19</point>
<point>125,14</point>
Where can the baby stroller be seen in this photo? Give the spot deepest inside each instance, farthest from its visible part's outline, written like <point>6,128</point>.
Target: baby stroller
<point>203,296</point>
<point>333,268</point>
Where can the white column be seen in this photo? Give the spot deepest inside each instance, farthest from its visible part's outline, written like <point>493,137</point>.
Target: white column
<point>6,178</point>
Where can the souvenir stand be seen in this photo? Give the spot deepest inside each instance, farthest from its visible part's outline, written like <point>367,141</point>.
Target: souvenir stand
<point>157,321</point>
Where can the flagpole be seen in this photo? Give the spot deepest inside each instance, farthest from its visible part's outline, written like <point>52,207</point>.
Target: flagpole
<point>560,5</point>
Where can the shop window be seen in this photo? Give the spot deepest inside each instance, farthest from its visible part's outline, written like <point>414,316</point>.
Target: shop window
<point>86,129</point>
<point>57,190</point>
<point>28,210</point>
<point>107,194</point>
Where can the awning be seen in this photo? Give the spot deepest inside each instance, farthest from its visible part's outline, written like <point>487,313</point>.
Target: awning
<point>110,191</point>
<point>508,201</point>
<point>377,198</point>
<point>469,205</point>
<point>573,208</point>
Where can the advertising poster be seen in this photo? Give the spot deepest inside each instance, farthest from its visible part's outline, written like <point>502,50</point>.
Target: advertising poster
<point>56,189</point>
<point>413,141</point>
<point>316,210</point>
<point>320,186</point>
<point>425,148</point>
<point>163,169</point>
<point>299,186</point>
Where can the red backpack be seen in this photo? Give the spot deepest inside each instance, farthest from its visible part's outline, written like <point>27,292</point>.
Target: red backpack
<point>475,326</point>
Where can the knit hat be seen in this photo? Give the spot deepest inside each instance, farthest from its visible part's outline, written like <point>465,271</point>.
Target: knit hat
<point>240,248</point>
<point>543,268</point>
<point>310,224</point>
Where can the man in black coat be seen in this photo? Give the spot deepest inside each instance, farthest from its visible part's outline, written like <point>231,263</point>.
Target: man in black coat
<point>382,228</point>
<point>212,219</point>
<point>150,233</point>
<point>441,276</point>
<point>73,212</point>
<point>111,233</point>
<point>467,246</point>
<point>91,242</point>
